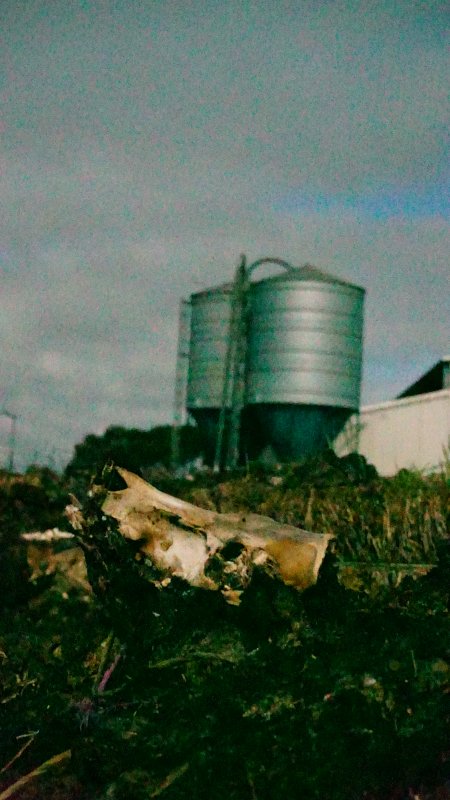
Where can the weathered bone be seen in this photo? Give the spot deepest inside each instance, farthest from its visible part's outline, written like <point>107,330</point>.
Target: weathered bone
<point>181,538</point>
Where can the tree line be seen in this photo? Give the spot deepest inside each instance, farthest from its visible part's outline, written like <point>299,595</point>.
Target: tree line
<point>134,449</point>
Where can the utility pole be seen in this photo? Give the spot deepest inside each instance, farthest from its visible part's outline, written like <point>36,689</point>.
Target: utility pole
<point>180,380</point>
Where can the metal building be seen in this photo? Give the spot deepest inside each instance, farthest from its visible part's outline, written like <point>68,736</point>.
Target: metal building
<point>435,379</point>
<point>303,357</point>
<point>410,432</point>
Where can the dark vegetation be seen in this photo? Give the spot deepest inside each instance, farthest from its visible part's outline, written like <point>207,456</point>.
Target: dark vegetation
<point>132,448</point>
<point>339,693</point>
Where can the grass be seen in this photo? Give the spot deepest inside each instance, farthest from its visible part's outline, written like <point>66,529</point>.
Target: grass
<point>341,691</point>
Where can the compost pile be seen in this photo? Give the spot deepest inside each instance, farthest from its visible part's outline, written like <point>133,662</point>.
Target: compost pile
<point>140,684</point>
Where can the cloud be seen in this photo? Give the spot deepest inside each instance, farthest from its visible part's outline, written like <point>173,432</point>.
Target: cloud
<point>145,146</point>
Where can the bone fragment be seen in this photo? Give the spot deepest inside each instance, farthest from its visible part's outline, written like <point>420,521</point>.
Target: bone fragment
<point>181,539</point>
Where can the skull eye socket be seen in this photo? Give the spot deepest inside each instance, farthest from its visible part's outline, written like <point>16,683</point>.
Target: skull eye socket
<point>231,551</point>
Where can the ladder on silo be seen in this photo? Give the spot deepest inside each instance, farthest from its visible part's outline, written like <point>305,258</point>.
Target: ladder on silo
<point>233,395</point>
<point>234,385</point>
<point>181,374</point>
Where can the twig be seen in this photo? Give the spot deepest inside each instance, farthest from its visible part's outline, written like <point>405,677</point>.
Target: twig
<point>104,659</point>
<point>252,786</point>
<point>414,663</point>
<point>51,762</point>
<point>171,777</point>
<point>19,753</point>
<point>171,662</point>
<point>50,535</point>
<point>107,675</point>
<point>405,566</point>
<point>23,685</point>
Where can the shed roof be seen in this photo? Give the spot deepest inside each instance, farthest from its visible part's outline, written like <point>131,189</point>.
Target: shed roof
<point>437,378</point>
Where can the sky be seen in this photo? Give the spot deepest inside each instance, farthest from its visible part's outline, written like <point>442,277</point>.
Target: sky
<point>146,145</point>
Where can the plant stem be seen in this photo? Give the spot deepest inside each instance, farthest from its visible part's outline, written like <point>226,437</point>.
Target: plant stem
<point>51,762</point>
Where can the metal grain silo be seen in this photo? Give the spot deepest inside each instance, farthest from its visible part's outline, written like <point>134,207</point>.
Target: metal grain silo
<point>302,363</point>
<point>210,329</point>
<point>304,358</point>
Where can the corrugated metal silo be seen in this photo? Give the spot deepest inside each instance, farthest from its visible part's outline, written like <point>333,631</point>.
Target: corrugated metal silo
<point>304,361</point>
<point>305,340</point>
<point>303,368</point>
<point>210,327</point>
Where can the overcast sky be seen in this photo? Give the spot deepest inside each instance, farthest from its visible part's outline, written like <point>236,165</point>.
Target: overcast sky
<point>146,144</point>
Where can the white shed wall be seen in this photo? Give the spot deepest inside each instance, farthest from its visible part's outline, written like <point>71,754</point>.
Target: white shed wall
<point>413,432</point>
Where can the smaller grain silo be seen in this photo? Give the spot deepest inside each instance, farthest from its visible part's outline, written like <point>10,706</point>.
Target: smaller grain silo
<point>210,331</point>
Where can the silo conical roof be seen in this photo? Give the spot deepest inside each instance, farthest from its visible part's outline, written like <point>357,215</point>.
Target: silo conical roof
<point>308,272</point>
